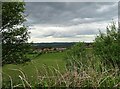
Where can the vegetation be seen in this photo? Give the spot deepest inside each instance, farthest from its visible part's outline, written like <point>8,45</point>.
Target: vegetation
<point>14,33</point>
<point>49,70</point>
<point>76,54</point>
<point>39,68</point>
<point>79,66</point>
<point>107,46</point>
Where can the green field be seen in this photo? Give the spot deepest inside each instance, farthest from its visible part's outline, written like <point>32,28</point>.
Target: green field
<point>37,67</point>
<point>49,70</point>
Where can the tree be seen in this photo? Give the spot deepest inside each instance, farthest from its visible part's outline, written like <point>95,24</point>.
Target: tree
<point>107,46</point>
<point>14,34</point>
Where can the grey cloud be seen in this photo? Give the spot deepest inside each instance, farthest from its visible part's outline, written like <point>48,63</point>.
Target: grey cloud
<point>69,20</point>
<point>63,12</point>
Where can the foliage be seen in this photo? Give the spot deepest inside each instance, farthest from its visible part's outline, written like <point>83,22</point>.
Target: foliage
<point>52,76</point>
<point>77,53</point>
<point>14,33</point>
<point>107,46</point>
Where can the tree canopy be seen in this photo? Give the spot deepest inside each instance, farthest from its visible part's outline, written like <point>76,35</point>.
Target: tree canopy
<point>14,33</point>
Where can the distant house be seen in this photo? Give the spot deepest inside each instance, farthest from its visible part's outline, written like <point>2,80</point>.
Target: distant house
<point>60,49</point>
<point>55,47</point>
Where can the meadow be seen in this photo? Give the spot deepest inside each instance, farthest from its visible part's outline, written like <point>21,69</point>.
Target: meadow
<point>50,70</point>
<point>32,70</point>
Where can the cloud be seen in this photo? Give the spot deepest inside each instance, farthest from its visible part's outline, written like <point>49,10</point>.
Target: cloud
<point>68,21</point>
<point>80,32</point>
<point>63,13</point>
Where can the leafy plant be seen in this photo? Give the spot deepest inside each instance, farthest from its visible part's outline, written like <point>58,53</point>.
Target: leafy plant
<point>14,34</point>
<point>76,54</point>
<point>107,46</point>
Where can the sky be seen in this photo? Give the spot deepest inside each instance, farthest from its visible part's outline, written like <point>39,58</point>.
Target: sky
<point>68,21</point>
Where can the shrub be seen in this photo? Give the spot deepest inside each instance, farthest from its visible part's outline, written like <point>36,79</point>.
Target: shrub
<point>76,54</point>
<point>107,46</point>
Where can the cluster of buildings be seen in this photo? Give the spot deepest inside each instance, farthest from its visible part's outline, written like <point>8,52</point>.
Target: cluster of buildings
<point>50,50</point>
<point>54,47</point>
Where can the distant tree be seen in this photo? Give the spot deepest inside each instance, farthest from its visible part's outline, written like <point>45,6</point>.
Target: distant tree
<point>14,34</point>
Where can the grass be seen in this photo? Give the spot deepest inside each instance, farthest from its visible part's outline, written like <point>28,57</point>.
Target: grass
<point>37,67</point>
<point>49,70</point>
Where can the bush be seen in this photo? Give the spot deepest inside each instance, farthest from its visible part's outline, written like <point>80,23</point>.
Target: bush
<point>107,46</point>
<point>76,54</point>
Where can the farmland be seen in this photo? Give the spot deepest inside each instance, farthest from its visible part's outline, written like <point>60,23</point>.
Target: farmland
<point>49,69</point>
<point>34,68</point>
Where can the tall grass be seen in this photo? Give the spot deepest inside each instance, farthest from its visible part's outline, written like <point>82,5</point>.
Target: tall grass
<point>92,74</point>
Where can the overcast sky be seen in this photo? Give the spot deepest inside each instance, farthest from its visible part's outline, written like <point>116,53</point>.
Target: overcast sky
<point>69,21</point>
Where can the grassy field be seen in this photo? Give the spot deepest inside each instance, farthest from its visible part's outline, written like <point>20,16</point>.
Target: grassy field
<point>49,69</point>
<point>37,67</point>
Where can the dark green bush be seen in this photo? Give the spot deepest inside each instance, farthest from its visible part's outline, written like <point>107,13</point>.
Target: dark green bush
<point>76,55</point>
<point>107,46</point>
